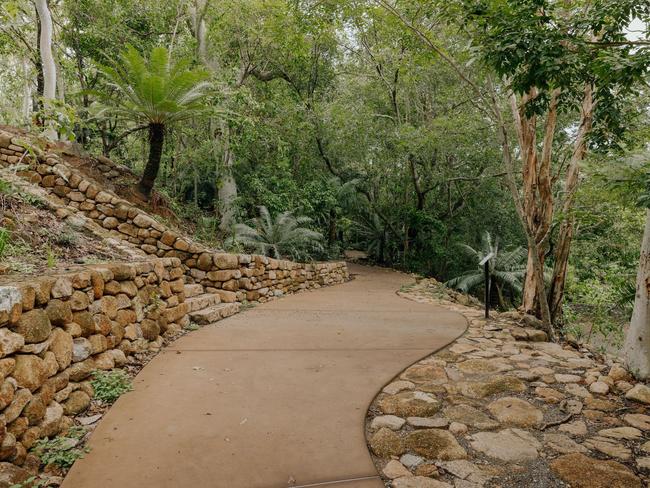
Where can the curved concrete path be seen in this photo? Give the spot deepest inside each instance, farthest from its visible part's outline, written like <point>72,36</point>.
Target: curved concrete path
<point>270,398</point>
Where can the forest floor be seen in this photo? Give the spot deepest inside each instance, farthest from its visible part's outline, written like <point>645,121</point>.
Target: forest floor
<point>503,407</point>
<point>33,239</point>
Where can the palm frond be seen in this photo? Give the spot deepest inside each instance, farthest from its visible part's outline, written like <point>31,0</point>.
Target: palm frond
<point>283,236</point>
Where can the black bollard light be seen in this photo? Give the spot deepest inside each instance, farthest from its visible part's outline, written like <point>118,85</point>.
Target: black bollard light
<point>485,262</point>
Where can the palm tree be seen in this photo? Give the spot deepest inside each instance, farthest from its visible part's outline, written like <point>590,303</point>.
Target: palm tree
<point>372,232</point>
<point>154,93</point>
<point>284,235</point>
<point>507,268</point>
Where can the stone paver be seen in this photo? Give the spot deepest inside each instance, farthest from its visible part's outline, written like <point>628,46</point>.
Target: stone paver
<point>507,403</point>
<point>272,397</point>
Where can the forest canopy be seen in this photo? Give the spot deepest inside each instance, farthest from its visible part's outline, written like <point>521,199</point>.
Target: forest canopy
<point>409,130</point>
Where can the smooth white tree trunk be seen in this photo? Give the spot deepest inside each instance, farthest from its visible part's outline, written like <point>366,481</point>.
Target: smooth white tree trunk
<point>27,90</point>
<point>637,341</point>
<point>227,185</point>
<point>47,58</point>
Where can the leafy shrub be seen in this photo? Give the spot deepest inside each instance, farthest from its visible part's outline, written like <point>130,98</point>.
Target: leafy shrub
<point>51,256</point>
<point>61,451</point>
<point>110,385</point>
<point>4,240</point>
<point>284,235</point>
<point>66,238</point>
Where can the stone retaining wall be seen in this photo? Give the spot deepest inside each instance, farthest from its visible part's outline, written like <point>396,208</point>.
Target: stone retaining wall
<point>56,330</point>
<point>233,277</point>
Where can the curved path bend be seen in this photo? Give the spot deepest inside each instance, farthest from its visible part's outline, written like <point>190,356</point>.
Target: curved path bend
<point>270,398</point>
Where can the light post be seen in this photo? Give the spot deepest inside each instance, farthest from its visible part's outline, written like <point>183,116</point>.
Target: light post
<point>485,262</point>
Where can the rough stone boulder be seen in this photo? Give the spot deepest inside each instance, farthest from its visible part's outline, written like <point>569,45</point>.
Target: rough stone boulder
<point>435,444</point>
<point>471,416</point>
<point>425,373</point>
<point>386,443</point>
<point>640,393</point>
<point>61,346</point>
<point>30,371</point>
<point>581,471</point>
<point>410,404</point>
<point>10,342</point>
<point>492,386</point>
<point>34,326</point>
<point>510,445</point>
<point>515,411</point>
<point>12,475</point>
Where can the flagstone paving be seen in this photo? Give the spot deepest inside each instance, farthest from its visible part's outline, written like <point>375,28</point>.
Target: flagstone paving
<point>501,407</point>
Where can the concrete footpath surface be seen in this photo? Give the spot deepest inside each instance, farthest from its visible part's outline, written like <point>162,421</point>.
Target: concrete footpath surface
<point>273,397</point>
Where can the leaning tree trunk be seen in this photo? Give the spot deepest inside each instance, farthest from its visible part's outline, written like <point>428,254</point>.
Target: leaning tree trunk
<point>156,141</point>
<point>47,59</point>
<point>537,195</point>
<point>565,236</point>
<point>637,341</point>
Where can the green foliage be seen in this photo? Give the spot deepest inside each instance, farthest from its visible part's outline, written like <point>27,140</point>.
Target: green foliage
<point>284,235</point>
<point>61,451</point>
<point>67,238</point>
<point>110,385</point>
<point>5,236</point>
<point>60,117</point>
<point>192,326</point>
<point>31,482</point>
<point>153,90</point>
<point>507,268</point>
<point>51,256</point>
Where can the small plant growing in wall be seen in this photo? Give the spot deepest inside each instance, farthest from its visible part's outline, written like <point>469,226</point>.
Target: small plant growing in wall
<point>110,385</point>
<point>31,482</point>
<point>61,451</point>
<point>155,304</point>
<point>192,326</point>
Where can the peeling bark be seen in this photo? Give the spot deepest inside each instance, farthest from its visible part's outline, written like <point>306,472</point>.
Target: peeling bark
<point>563,247</point>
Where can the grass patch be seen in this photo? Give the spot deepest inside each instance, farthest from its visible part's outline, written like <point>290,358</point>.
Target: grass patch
<point>110,385</point>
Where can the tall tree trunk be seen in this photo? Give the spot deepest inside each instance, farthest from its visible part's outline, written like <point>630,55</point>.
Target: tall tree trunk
<point>508,160</point>
<point>332,229</point>
<point>227,185</point>
<point>156,141</point>
<point>537,201</point>
<point>562,250</point>
<point>47,59</point>
<point>227,188</point>
<point>27,91</point>
<point>37,102</point>
<point>637,340</point>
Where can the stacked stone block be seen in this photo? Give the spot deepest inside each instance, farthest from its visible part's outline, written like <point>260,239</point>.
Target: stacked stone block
<point>232,277</point>
<point>56,330</point>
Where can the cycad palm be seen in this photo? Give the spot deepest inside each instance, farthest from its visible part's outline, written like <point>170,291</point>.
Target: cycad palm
<point>154,93</point>
<point>507,268</point>
<point>284,235</point>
